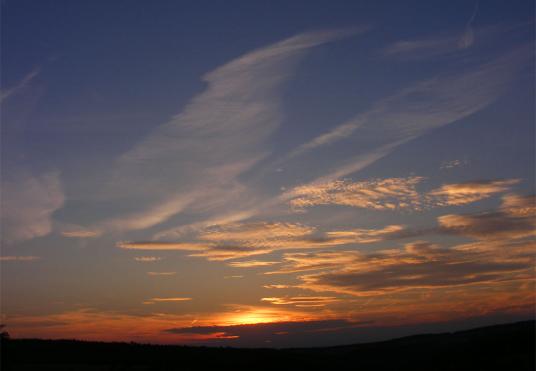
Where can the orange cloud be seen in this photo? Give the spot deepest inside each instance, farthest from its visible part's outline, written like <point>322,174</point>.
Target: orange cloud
<point>419,265</point>
<point>186,246</point>
<point>81,233</point>
<point>377,194</point>
<point>364,235</point>
<point>299,262</point>
<point>241,240</point>
<point>465,193</point>
<point>256,233</point>
<point>302,301</point>
<point>277,286</point>
<point>515,219</point>
<point>19,258</point>
<point>251,263</point>
<point>147,259</point>
<point>394,193</point>
<point>222,253</point>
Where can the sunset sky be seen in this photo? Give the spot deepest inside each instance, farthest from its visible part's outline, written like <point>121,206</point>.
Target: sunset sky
<point>266,173</point>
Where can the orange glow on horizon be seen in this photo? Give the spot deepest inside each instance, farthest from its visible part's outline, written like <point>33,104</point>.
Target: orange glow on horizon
<point>257,315</point>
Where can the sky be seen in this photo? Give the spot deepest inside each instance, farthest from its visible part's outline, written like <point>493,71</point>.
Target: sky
<point>283,173</point>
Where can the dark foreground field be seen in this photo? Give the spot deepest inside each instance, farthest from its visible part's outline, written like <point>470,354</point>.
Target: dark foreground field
<point>501,347</point>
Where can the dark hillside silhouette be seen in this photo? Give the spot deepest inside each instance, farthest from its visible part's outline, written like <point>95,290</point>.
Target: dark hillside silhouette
<point>500,347</point>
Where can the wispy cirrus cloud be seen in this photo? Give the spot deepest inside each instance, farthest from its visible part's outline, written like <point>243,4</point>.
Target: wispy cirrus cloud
<point>437,46</point>
<point>161,274</point>
<point>185,246</point>
<point>81,233</point>
<point>361,235</point>
<point>20,258</point>
<point>224,253</point>
<point>28,202</point>
<point>252,263</point>
<point>451,164</point>
<point>242,96</point>
<point>173,299</point>
<point>415,110</point>
<point>23,83</point>
<point>147,259</point>
<point>276,286</point>
<point>468,37</point>
<point>300,262</point>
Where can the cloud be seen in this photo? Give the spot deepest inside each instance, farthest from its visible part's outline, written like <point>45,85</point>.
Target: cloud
<point>468,37</point>
<point>519,206</point>
<point>186,246</point>
<point>196,227</point>
<point>251,263</point>
<point>244,240</point>
<point>242,96</point>
<point>446,165</point>
<point>241,240</point>
<point>161,274</point>
<point>154,215</point>
<point>302,301</point>
<point>392,122</point>
<point>299,262</point>
<point>147,259</point>
<point>365,235</point>
<point>271,328</point>
<point>175,299</point>
<point>377,194</point>
<point>421,107</point>
<point>28,202</point>
<point>222,253</point>
<point>257,234</point>
<point>249,239</point>
<point>276,286</point>
<point>421,48</point>
<point>436,46</point>
<point>502,254</point>
<point>19,258</point>
<point>394,193</point>
<point>419,265</point>
<point>26,80</point>
<point>516,218</point>
<point>81,233</point>
<point>464,193</point>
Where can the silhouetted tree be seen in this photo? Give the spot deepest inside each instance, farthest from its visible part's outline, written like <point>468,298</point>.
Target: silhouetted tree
<point>3,334</point>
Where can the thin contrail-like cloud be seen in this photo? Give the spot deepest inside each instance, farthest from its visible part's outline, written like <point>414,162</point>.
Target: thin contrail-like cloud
<point>468,37</point>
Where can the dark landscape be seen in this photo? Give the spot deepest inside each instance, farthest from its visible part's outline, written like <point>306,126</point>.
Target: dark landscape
<point>499,347</point>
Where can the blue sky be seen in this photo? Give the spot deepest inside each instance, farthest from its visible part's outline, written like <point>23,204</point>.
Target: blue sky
<point>197,164</point>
